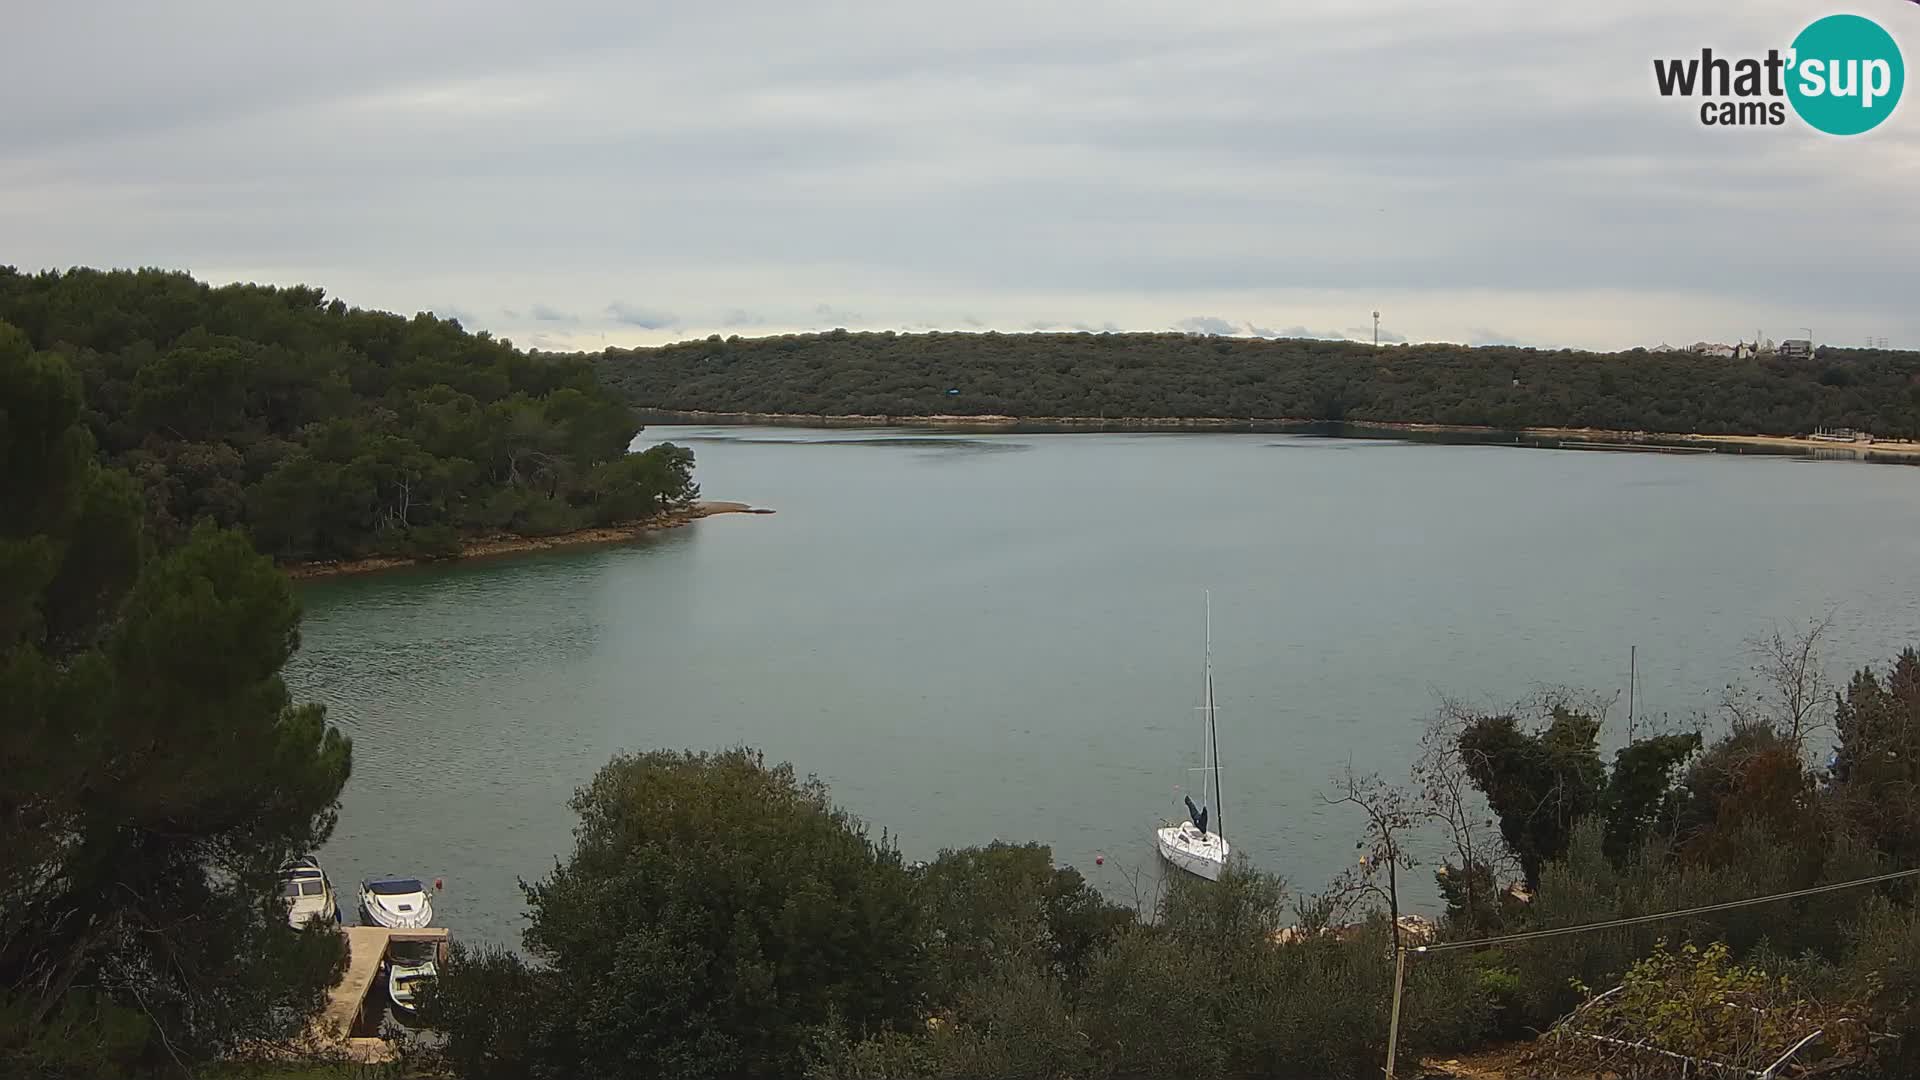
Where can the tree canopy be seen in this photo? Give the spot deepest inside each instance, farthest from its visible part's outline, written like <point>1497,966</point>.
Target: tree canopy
<point>332,432</point>
<point>154,772</point>
<point>1121,376</point>
<point>715,913</point>
<point>1876,767</point>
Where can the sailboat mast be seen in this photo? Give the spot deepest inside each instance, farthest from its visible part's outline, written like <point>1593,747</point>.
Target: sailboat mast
<point>1213,733</point>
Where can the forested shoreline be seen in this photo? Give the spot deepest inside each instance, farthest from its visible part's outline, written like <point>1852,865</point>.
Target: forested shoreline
<point>329,432</point>
<point>719,915</point>
<point>771,934</point>
<point>1174,376</point>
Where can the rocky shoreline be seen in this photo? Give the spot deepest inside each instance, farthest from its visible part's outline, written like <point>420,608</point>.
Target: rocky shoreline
<point>512,544</point>
<point>1650,440</point>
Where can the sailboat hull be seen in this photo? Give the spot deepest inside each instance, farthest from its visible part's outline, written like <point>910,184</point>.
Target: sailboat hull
<point>1198,853</point>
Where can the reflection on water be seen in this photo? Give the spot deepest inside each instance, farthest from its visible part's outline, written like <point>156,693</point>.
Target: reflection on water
<point>944,446</point>
<point>969,644</point>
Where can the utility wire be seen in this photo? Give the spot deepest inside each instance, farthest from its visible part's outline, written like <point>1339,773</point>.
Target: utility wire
<point>1535,935</point>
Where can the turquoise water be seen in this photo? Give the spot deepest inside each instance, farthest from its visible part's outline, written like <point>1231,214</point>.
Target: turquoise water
<point>980,636</point>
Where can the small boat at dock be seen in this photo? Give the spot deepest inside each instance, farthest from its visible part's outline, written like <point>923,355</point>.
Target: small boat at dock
<point>308,892</point>
<point>411,967</point>
<point>395,903</point>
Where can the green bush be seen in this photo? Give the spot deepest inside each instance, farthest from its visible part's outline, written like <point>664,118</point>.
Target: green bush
<point>714,916</point>
<point>501,1017</point>
<point>1500,987</point>
<point>1204,992</point>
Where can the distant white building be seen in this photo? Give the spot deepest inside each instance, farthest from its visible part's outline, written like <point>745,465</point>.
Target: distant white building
<point>1796,347</point>
<point>1712,348</point>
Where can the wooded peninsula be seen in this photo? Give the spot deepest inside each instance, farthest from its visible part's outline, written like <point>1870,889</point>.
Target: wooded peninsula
<point>329,432</point>
<point>1141,376</point>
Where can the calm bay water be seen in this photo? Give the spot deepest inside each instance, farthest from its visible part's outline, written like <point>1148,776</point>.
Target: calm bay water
<point>981,636</point>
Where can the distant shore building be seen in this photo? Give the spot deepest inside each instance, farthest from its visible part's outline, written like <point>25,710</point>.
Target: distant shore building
<point>1712,348</point>
<point>1840,434</point>
<point>1796,348</point>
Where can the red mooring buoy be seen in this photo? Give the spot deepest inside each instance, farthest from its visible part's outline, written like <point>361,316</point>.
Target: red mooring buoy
<point>437,886</point>
<point>1099,860</point>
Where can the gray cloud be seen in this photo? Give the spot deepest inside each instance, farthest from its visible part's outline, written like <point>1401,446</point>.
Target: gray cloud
<point>982,166</point>
<point>545,313</point>
<point>1207,324</point>
<point>549,343</point>
<point>1481,335</point>
<point>824,313</point>
<point>645,318</point>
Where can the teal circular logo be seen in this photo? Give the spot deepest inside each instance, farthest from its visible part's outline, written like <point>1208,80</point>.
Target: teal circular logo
<point>1846,74</point>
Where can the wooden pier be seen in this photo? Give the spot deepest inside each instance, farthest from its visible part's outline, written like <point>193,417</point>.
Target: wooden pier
<point>357,1003</point>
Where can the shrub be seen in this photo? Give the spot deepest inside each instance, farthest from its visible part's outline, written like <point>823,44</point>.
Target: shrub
<point>714,915</point>
<point>1698,1003</point>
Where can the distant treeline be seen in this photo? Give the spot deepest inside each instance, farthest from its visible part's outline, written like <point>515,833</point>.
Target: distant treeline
<point>1121,376</point>
<point>333,432</point>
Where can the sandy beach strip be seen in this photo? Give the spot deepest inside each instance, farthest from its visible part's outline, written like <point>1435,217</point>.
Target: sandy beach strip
<point>1898,448</point>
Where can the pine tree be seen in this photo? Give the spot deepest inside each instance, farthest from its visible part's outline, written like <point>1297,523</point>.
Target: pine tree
<point>154,772</point>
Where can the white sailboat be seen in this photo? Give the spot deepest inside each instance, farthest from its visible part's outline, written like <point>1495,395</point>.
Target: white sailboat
<point>1191,846</point>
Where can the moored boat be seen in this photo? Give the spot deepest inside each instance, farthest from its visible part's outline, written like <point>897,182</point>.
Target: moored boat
<point>1190,845</point>
<point>411,966</point>
<point>395,903</point>
<point>308,892</point>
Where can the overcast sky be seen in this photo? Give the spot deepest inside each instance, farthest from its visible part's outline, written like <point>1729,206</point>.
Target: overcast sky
<point>631,173</point>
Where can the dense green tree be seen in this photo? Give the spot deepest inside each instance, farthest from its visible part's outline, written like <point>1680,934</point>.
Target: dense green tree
<point>1538,783</point>
<point>642,484</point>
<point>1145,375</point>
<point>330,432</point>
<point>1541,783</point>
<point>714,914</point>
<point>1876,768</point>
<point>1203,990</point>
<point>1753,777</point>
<point>1002,904</point>
<point>1640,788</point>
<point>154,773</point>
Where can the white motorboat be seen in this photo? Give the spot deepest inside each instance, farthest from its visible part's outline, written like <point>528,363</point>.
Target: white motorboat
<point>411,966</point>
<point>1190,845</point>
<point>395,903</point>
<point>308,892</point>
